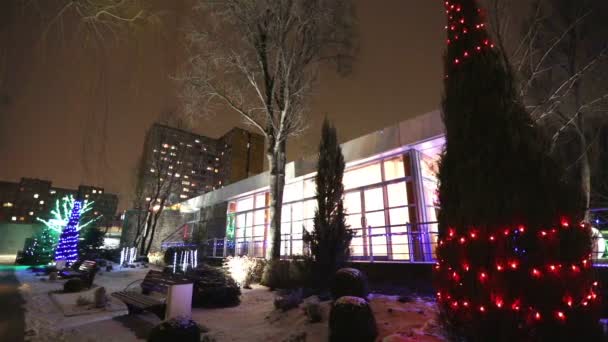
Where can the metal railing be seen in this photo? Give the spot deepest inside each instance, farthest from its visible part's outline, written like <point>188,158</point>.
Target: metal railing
<point>410,246</point>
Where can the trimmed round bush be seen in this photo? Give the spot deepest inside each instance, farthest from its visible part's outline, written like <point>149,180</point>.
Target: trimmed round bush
<point>74,285</point>
<point>350,282</point>
<point>213,287</point>
<point>183,330</point>
<point>352,319</point>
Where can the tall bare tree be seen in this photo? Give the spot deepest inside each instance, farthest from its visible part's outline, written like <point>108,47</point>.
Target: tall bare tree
<point>260,59</point>
<point>561,58</point>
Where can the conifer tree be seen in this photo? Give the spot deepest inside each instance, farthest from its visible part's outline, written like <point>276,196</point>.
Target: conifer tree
<point>513,261</point>
<point>40,249</point>
<point>330,239</point>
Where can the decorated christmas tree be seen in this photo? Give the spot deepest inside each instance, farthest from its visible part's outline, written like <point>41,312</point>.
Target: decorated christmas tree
<point>67,247</point>
<point>40,249</point>
<point>513,259</point>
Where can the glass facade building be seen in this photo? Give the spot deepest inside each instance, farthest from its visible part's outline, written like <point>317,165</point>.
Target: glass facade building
<point>389,199</point>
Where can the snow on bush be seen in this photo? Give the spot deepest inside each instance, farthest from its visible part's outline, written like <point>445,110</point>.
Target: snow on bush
<point>240,268</point>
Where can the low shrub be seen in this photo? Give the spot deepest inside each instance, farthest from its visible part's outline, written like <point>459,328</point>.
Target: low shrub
<point>74,285</point>
<point>350,282</point>
<point>288,300</point>
<point>288,274</point>
<point>176,329</point>
<point>213,287</point>
<point>352,319</point>
<point>313,312</point>
<point>240,269</point>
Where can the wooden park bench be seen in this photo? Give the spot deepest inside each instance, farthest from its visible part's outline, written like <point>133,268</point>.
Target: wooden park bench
<point>155,281</point>
<point>85,271</point>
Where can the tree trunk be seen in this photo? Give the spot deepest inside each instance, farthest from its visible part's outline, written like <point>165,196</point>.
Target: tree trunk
<point>276,160</point>
<point>152,231</point>
<point>585,168</point>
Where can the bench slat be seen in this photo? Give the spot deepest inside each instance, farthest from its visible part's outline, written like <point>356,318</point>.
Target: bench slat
<point>137,299</point>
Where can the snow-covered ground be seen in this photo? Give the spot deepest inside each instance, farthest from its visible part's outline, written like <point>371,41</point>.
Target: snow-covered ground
<point>255,319</point>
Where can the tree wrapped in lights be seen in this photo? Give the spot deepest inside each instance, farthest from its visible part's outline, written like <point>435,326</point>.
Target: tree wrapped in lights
<point>67,248</point>
<point>513,262</point>
<point>60,215</point>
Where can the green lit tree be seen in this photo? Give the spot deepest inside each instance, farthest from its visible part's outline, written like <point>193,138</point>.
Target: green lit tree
<point>513,262</point>
<point>40,249</point>
<point>330,239</point>
<point>60,215</point>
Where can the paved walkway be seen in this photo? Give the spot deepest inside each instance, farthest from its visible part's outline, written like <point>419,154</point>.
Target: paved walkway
<point>12,324</point>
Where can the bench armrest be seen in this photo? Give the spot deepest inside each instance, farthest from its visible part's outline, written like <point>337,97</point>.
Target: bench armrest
<point>133,282</point>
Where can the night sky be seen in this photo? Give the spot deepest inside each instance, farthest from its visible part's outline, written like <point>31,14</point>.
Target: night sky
<point>70,103</point>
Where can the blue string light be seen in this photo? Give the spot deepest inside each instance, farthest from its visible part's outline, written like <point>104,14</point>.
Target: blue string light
<point>67,248</point>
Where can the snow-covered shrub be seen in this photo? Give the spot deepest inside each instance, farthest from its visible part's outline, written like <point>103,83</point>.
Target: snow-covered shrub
<point>156,258</point>
<point>313,312</point>
<point>350,282</point>
<point>176,329</point>
<point>288,300</point>
<point>83,301</point>
<point>74,285</point>
<point>352,319</point>
<point>240,268</point>
<point>288,274</point>
<point>213,287</point>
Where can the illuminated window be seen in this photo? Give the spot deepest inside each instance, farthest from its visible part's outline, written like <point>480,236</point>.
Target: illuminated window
<point>216,170</point>
<point>7,204</point>
<point>185,182</point>
<point>186,189</point>
<point>31,213</point>
<point>197,141</point>
<point>293,192</point>
<point>261,200</point>
<point>152,170</point>
<point>183,196</point>
<point>310,188</point>
<point>397,194</point>
<point>94,191</point>
<point>244,204</point>
<point>177,175</point>
<point>14,218</point>
<point>36,195</point>
<point>42,202</point>
<point>165,145</point>
<point>147,198</point>
<point>52,192</point>
<point>394,168</point>
<point>362,176</point>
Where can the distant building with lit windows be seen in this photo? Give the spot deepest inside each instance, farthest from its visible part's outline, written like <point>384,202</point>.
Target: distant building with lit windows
<point>28,199</point>
<point>199,164</point>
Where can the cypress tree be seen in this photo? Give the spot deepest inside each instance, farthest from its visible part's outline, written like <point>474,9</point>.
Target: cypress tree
<point>513,262</point>
<point>330,239</point>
